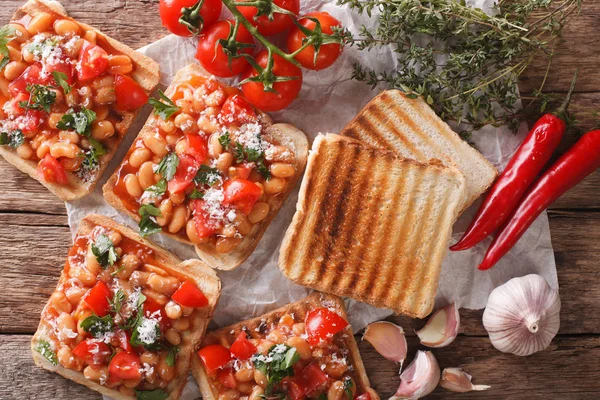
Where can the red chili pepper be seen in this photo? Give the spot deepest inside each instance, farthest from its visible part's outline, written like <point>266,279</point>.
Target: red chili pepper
<point>578,162</point>
<point>531,156</point>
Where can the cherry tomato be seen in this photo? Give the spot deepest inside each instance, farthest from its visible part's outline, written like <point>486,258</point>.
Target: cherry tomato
<point>31,75</point>
<point>50,170</point>
<point>93,352</point>
<point>125,366</point>
<point>241,194</point>
<point>227,378</point>
<point>280,23</point>
<point>188,295</point>
<point>313,378</point>
<point>296,391</point>
<point>286,92</point>
<point>184,174</point>
<point>364,396</point>
<point>244,170</point>
<point>32,120</point>
<point>124,340</point>
<point>151,307</point>
<point>130,95</point>
<point>242,348</point>
<point>98,299</point>
<point>328,53</point>
<point>204,226</point>
<point>62,66</point>
<point>170,12</point>
<point>214,356</point>
<point>322,324</point>
<point>236,110</point>
<point>197,147</point>
<point>93,61</point>
<point>210,52</point>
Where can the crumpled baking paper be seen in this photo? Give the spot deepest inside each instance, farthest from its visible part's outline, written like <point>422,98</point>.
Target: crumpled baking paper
<point>328,101</point>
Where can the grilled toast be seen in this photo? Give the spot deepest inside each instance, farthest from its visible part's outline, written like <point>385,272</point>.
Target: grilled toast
<point>372,226</point>
<point>410,128</point>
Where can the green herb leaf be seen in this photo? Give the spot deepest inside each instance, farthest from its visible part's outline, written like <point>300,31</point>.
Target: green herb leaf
<point>92,156</point>
<point>276,365</point>
<point>47,45</point>
<point>147,224</point>
<point>116,303</point>
<point>134,321</point>
<point>170,360</point>
<point>7,33</point>
<point>80,122</point>
<point>156,394</point>
<point>45,350</point>
<point>165,108</point>
<point>13,139</point>
<point>151,341</point>
<point>62,80</point>
<point>168,166</point>
<point>225,140</point>
<point>41,98</point>
<point>207,176</point>
<point>104,250</point>
<point>238,153</point>
<point>196,194</point>
<point>158,189</point>
<point>97,325</point>
<point>263,169</point>
<point>348,384</point>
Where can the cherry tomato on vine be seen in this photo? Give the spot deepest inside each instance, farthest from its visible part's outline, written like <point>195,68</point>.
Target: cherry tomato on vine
<point>280,23</point>
<point>170,13</point>
<point>286,91</point>
<point>210,52</point>
<point>328,53</point>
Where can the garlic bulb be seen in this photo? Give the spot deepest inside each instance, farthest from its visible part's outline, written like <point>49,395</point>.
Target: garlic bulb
<point>420,378</point>
<point>441,328</point>
<point>457,380</point>
<point>388,339</point>
<point>523,315</point>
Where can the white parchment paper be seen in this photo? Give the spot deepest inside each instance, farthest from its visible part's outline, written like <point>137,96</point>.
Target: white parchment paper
<point>328,101</point>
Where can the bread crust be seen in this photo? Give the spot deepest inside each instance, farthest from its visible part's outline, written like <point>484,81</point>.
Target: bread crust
<point>146,74</point>
<point>285,133</point>
<point>195,270</point>
<point>299,309</point>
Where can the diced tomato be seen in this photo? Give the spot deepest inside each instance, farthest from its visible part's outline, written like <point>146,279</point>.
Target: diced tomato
<point>204,227</point>
<point>244,170</point>
<point>31,121</point>
<point>364,396</point>
<point>93,352</point>
<point>242,348</point>
<point>227,378</point>
<point>295,391</point>
<point>31,75</point>
<point>214,356</point>
<point>184,175</point>
<point>130,95</point>
<point>98,299</point>
<point>241,194</point>
<point>50,170</point>
<point>125,366</point>
<point>197,147</point>
<point>93,61</point>
<point>237,111</point>
<point>151,307</point>
<point>63,66</point>
<point>15,104</point>
<point>313,378</point>
<point>188,295</point>
<point>322,324</point>
<point>124,338</point>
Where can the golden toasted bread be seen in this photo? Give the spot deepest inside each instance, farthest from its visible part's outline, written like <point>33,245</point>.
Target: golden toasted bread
<point>372,226</point>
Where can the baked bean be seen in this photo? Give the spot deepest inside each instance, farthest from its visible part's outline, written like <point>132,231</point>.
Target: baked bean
<point>21,34</point>
<point>264,346</point>
<point>276,337</point>
<point>216,98</point>
<point>179,219</point>
<point>336,369</point>
<point>242,224</point>
<point>173,337</point>
<point>119,64</point>
<point>25,151</point>
<point>157,297</point>
<point>233,172</point>
<point>257,393</point>
<point>165,372</point>
<point>85,93</point>
<point>192,233</point>
<point>181,324</point>
<point>27,55</point>
<point>84,314</point>
<point>72,98</point>
<point>259,212</point>
<point>282,170</point>
<point>245,374</point>
<point>65,27</point>
<point>127,391</point>
<point>90,36</point>
<point>58,96</point>
<point>131,383</point>
<point>14,69</point>
<point>152,269</point>
<point>336,391</point>
<point>167,126</point>
<point>66,327</point>
<point>43,149</point>
<point>260,378</point>
<point>4,86</point>
<point>114,383</point>
<point>214,147</point>
<point>163,284</point>
<point>226,244</point>
<point>166,211</point>
<point>177,198</point>
<point>185,122</point>
<point>245,387</point>
<point>187,106</point>
<point>181,146</point>
<point>91,262</point>
<point>207,125</point>
<point>115,237</point>
<point>102,130</point>
<point>74,294</point>
<point>173,310</point>
<point>172,140</point>
<point>39,23</point>
<point>298,329</point>
<point>224,161</point>
<point>187,311</point>
<point>149,358</point>
<point>85,276</point>
<point>67,359</point>
<point>105,95</point>
<point>105,81</point>
<point>68,136</point>
<point>102,112</point>
<point>302,347</point>
<point>98,375</point>
<point>139,156</point>
<point>274,185</point>
<point>229,395</point>
<point>132,185</point>
<point>146,175</point>
<point>156,143</point>
<point>139,278</point>
<point>61,303</point>
<point>14,54</point>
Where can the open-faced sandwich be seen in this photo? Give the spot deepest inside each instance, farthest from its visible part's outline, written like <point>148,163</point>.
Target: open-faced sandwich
<point>303,350</point>
<point>126,315</point>
<point>68,94</point>
<point>208,169</point>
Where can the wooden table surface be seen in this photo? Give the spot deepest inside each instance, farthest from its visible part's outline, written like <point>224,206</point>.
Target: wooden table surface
<point>34,238</point>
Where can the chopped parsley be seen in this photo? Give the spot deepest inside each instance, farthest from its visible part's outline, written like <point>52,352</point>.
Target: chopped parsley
<point>92,156</point>
<point>156,394</point>
<point>196,194</point>
<point>207,175</point>
<point>262,169</point>
<point>148,224</point>
<point>225,140</point>
<point>41,98</point>
<point>116,303</point>
<point>104,250</point>
<point>38,48</point>
<point>168,166</point>
<point>97,325</point>
<point>12,138</point>
<point>134,321</point>
<point>7,33</point>
<point>158,189</point>
<point>80,122</point>
<point>170,360</point>
<point>165,108</point>
<point>276,365</point>
<point>62,81</point>
<point>348,384</point>
<point>45,350</point>
<point>241,154</point>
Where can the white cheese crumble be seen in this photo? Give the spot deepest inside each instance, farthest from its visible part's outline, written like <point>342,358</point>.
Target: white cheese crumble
<point>147,331</point>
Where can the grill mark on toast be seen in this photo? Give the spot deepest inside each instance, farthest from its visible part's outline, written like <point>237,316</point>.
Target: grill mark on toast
<point>362,124</point>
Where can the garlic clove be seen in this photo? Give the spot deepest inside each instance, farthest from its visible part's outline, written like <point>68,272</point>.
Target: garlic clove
<point>457,380</point>
<point>420,378</point>
<point>523,315</point>
<point>441,328</point>
<point>388,339</point>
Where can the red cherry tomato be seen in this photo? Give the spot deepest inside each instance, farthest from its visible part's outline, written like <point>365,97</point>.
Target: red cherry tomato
<point>98,299</point>
<point>124,342</point>
<point>93,61</point>
<point>31,75</point>
<point>241,194</point>
<point>210,52</point>
<point>197,147</point>
<point>242,348</point>
<point>125,366</point>
<point>184,174</point>
<point>214,356</point>
<point>151,307</point>
<point>296,391</point>
<point>170,12</point>
<point>322,324</point>
<point>286,91</point>
<point>204,226</point>
<point>50,170</point>
<point>93,352</point>
<point>236,110</point>
<point>364,396</point>
<point>328,53</point>
<point>227,378</point>
<point>188,295</point>
<point>244,170</point>
<point>62,66</point>
<point>313,378</point>
<point>32,120</point>
<point>130,95</point>
<point>280,23</point>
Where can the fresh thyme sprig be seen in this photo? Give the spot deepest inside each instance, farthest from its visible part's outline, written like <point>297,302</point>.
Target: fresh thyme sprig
<point>464,62</point>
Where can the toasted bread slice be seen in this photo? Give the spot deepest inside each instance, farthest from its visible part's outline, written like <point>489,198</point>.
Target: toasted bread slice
<point>372,226</point>
<point>298,310</point>
<point>410,128</point>
<point>195,271</point>
<point>145,73</point>
<point>285,133</point>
